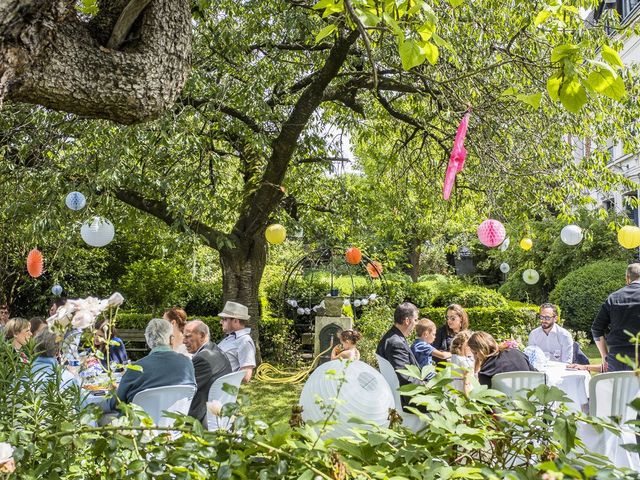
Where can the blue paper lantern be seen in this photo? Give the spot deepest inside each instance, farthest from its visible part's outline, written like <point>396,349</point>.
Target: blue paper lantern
<point>75,201</point>
<point>56,290</point>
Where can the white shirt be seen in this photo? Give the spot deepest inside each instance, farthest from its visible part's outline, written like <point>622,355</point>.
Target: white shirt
<point>239,348</point>
<point>557,345</point>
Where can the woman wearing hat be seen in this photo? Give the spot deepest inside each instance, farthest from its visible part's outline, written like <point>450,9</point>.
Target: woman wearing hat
<point>238,345</point>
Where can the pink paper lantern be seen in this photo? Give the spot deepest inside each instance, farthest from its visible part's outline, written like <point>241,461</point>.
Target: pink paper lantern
<point>491,233</point>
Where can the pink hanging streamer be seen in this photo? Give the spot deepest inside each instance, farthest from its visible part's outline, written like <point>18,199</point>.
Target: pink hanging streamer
<point>457,158</point>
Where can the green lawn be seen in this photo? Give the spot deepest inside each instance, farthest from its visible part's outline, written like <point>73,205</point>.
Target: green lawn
<point>592,352</point>
<point>271,402</point>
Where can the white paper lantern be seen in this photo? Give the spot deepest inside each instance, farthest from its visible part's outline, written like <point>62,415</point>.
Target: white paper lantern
<point>365,394</point>
<point>98,233</point>
<point>373,297</point>
<point>530,276</point>
<point>571,234</point>
<point>357,303</point>
<point>504,267</point>
<point>293,303</point>
<point>75,201</point>
<point>56,290</point>
<point>365,301</point>
<point>307,311</point>
<point>300,311</point>
<point>346,302</point>
<point>505,244</point>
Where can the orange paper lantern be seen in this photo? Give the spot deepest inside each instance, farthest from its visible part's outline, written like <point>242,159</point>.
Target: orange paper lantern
<point>35,263</point>
<point>353,256</point>
<point>375,269</point>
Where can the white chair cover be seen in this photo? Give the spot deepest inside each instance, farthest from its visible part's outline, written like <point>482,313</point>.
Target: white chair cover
<point>409,420</point>
<point>512,383</point>
<point>610,395</point>
<point>172,398</point>
<point>216,393</point>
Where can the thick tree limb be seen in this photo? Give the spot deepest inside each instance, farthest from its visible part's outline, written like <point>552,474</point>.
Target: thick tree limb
<point>129,15</point>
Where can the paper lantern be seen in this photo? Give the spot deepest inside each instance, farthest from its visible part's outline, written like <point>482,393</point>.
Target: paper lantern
<point>75,201</point>
<point>56,290</point>
<point>357,303</point>
<point>491,233</point>
<point>505,244</point>
<point>365,394</point>
<point>35,263</point>
<point>526,244</point>
<point>571,234</point>
<point>504,267</point>
<point>457,157</point>
<point>353,256</point>
<point>98,233</point>
<point>275,234</point>
<point>300,311</point>
<point>530,276</point>
<point>629,236</point>
<point>374,269</point>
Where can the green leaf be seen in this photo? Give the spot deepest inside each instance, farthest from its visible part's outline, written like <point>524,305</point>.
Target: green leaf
<point>509,92</point>
<point>456,3</point>
<point>132,366</point>
<point>426,30</point>
<point>610,56</point>
<point>441,42</point>
<point>607,83</point>
<point>564,431</point>
<point>533,99</point>
<point>553,86</point>
<point>563,51</point>
<point>431,52</point>
<point>572,94</point>
<point>325,32</point>
<point>411,54</point>
<point>541,17</point>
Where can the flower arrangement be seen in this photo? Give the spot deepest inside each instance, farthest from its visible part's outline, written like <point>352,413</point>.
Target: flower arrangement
<point>7,464</point>
<point>510,343</point>
<point>81,313</point>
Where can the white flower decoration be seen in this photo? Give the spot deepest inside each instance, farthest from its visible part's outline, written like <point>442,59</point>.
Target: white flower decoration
<point>83,319</point>
<point>115,300</point>
<point>6,452</point>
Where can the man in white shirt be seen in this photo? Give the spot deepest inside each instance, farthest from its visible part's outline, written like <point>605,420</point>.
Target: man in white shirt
<point>238,345</point>
<point>553,340</point>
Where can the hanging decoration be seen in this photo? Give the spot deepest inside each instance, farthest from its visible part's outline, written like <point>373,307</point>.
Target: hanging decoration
<point>504,267</point>
<point>353,390</point>
<point>75,201</point>
<point>353,256</point>
<point>571,234</point>
<point>629,236</point>
<point>35,263</point>
<point>374,269</point>
<point>530,276</point>
<point>98,233</point>
<point>56,290</point>
<point>505,244</point>
<point>526,244</point>
<point>491,233</point>
<point>457,157</point>
<point>275,234</point>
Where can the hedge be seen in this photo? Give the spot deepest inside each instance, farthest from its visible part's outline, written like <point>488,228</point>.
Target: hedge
<point>581,293</point>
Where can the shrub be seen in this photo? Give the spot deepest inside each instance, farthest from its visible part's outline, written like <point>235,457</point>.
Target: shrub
<point>581,293</point>
<point>139,321</point>
<point>469,296</point>
<point>204,298</point>
<point>515,289</point>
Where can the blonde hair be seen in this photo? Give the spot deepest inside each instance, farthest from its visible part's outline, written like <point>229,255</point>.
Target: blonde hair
<point>483,346</point>
<point>459,341</point>
<point>425,325</point>
<point>14,326</point>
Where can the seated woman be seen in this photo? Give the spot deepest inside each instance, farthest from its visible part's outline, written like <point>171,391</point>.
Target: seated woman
<point>117,353</point>
<point>177,317</point>
<point>490,359</point>
<point>45,367</point>
<point>37,324</point>
<point>18,332</point>
<point>457,320</point>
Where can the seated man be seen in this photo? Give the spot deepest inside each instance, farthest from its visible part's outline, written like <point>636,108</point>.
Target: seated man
<point>161,368</point>
<point>238,345</point>
<point>553,340</point>
<point>394,347</point>
<point>209,362</point>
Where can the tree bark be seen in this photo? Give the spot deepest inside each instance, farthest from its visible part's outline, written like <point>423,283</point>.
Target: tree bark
<point>414,259</point>
<point>55,59</point>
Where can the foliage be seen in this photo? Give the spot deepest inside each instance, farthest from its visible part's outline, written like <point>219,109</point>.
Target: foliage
<point>581,293</point>
<point>515,288</point>
<point>203,298</point>
<point>139,321</point>
<point>469,296</point>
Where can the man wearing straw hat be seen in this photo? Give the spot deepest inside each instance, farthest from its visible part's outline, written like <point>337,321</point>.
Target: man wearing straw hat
<point>238,345</point>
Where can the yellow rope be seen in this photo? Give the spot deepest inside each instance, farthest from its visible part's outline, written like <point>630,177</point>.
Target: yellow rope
<point>267,373</point>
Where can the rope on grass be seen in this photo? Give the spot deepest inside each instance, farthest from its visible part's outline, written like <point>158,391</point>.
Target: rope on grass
<point>267,373</point>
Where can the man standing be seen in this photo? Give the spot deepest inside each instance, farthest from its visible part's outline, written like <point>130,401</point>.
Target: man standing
<point>393,346</point>
<point>553,340</point>
<point>618,314</point>
<point>209,363</point>
<point>238,345</point>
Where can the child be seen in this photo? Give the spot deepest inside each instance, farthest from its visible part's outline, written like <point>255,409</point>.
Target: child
<point>462,357</point>
<point>347,349</point>
<point>422,348</point>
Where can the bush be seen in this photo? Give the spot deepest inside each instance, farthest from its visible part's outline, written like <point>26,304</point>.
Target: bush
<point>515,289</point>
<point>139,321</point>
<point>581,293</point>
<point>204,298</point>
<point>469,296</point>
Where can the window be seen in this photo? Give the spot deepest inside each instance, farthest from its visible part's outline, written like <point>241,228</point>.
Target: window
<point>628,7</point>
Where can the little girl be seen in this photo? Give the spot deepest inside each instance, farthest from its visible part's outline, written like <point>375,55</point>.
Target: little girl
<point>347,349</point>
<point>462,357</point>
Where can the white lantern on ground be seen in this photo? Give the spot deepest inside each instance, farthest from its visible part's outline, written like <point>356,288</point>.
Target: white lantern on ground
<point>365,395</point>
<point>98,233</point>
<point>530,276</point>
<point>75,201</point>
<point>504,267</point>
<point>571,234</point>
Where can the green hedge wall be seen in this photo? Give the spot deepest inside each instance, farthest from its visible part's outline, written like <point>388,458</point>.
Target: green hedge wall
<point>140,321</point>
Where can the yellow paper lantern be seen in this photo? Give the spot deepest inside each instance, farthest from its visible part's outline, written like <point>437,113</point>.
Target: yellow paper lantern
<point>526,244</point>
<point>275,234</point>
<point>629,236</point>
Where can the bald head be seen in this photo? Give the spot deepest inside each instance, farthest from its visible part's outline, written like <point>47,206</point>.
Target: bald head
<point>196,334</point>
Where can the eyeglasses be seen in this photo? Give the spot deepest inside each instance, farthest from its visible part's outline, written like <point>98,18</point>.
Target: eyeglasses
<point>451,317</point>
<point>544,317</point>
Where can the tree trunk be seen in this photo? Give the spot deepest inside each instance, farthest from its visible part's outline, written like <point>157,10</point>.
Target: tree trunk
<point>54,58</point>
<point>414,259</point>
<point>242,269</point>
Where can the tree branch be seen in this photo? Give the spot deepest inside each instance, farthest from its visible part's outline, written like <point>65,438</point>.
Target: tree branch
<point>322,159</point>
<point>129,15</point>
<point>224,108</point>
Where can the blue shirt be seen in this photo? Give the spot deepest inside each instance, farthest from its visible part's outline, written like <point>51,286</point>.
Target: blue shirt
<point>422,351</point>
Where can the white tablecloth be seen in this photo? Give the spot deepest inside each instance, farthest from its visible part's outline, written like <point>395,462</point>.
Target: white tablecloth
<point>574,383</point>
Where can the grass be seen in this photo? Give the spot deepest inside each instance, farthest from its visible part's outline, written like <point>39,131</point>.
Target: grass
<point>593,354</point>
<point>272,402</point>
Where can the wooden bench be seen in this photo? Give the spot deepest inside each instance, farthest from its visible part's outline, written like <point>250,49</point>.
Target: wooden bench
<point>134,342</point>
